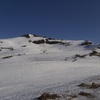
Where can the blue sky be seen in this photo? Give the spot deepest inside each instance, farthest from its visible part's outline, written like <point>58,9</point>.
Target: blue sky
<point>62,19</point>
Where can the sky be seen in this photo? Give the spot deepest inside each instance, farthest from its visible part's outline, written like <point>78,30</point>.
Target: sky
<point>61,19</point>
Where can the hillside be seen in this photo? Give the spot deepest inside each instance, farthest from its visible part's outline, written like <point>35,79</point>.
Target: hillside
<point>31,66</point>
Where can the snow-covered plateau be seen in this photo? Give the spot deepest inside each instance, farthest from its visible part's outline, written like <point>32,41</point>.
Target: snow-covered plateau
<point>41,68</point>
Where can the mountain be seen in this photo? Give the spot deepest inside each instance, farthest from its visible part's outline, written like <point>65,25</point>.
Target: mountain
<point>34,68</point>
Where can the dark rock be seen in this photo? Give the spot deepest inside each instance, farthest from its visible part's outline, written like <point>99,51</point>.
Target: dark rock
<point>94,53</point>
<point>39,41</point>
<point>88,95</point>
<point>21,54</point>
<point>90,86</point>
<point>7,57</point>
<point>94,86</point>
<point>46,96</point>
<point>53,42</point>
<point>86,43</point>
<point>1,42</point>
<point>80,56</point>
<point>50,42</point>
<point>26,35</point>
<point>10,48</point>
<point>30,41</point>
<point>24,45</point>
<point>82,85</point>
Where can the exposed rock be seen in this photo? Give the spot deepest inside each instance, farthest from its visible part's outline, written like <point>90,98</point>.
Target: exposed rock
<point>94,53</point>
<point>21,54</point>
<point>1,42</point>
<point>87,43</point>
<point>10,48</point>
<point>26,35</point>
<point>88,95</point>
<point>80,56</point>
<point>30,41</point>
<point>83,85</point>
<point>39,41</point>
<point>7,57</point>
<point>77,56</point>
<point>94,85</point>
<point>50,42</point>
<point>24,45</point>
<point>90,86</point>
<point>47,96</point>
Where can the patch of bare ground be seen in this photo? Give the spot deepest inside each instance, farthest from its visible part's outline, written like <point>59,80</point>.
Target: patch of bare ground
<point>85,94</point>
<point>47,96</point>
<point>90,86</point>
<point>71,97</point>
<point>87,43</point>
<point>94,53</point>
<point>24,45</point>
<point>10,56</point>
<point>7,57</point>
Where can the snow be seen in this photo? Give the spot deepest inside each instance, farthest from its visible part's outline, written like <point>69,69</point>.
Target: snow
<point>42,66</point>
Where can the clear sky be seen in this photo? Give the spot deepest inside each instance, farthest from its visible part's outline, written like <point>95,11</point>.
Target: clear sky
<point>62,19</point>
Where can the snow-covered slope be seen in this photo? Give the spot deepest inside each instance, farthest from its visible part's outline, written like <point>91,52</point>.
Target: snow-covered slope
<point>31,65</point>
